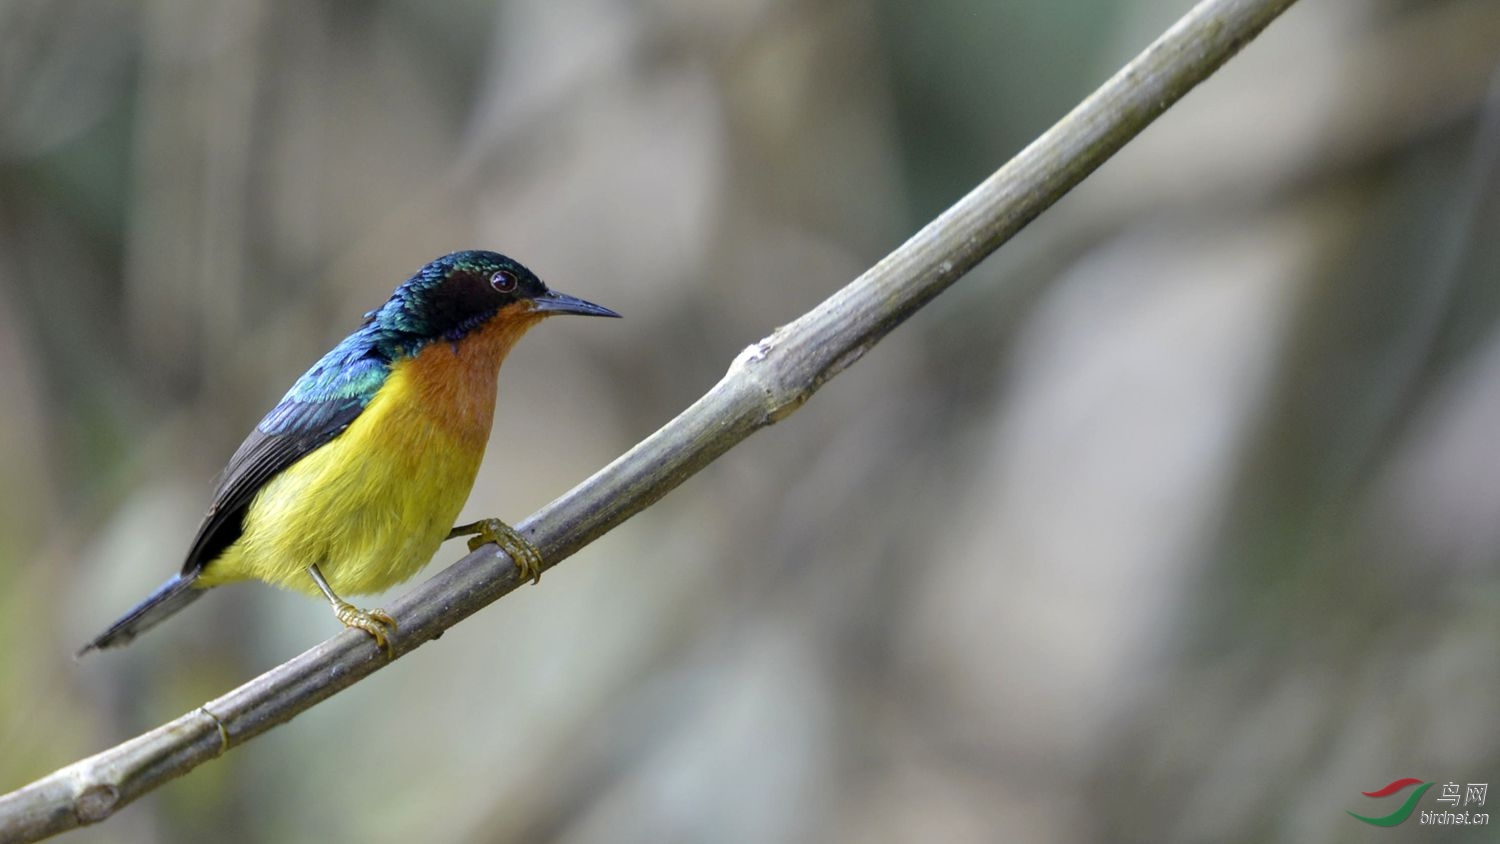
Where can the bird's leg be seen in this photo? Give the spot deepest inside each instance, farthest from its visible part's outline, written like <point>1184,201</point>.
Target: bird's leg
<point>378,623</point>
<point>520,549</point>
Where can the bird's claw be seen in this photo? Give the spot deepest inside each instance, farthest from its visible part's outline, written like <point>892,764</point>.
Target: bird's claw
<point>527,559</point>
<point>378,623</point>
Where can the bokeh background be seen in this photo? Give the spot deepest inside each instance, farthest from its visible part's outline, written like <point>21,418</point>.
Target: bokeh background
<point>1177,520</point>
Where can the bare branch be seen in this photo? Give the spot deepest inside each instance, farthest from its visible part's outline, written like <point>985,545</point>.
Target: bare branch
<point>764,384</point>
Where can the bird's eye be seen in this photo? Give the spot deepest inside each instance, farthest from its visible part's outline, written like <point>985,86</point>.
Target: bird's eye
<point>503,281</point>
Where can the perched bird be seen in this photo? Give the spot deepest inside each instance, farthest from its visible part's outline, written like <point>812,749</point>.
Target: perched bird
<point>350,484</point>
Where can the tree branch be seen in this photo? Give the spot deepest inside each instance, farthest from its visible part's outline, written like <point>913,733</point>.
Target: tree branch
<point>764,384</point>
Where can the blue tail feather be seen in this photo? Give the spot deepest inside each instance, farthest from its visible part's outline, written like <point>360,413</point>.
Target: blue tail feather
<point>166,600</point>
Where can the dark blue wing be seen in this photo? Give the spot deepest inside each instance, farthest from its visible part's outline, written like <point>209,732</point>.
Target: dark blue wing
<point>318,408</point>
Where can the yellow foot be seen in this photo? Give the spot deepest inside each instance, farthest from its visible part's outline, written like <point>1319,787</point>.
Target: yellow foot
<point>521,551</point>
<point>378,623</point>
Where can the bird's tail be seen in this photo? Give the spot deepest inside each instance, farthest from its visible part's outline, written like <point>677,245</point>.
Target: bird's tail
<point>166,600</point>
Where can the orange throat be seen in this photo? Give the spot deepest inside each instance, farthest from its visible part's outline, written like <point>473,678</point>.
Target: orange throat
<point>456,380</point>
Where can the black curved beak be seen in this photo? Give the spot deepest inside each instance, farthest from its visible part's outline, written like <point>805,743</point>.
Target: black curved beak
<point>553,302</point>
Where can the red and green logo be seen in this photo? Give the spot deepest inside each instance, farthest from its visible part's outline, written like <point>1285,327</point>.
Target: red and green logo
<point>1406,809</point>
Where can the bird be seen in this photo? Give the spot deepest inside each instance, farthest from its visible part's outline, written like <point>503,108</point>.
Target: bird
<point>354,479</point>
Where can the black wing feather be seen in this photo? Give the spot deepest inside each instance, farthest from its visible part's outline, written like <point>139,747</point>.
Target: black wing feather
<point>262,456</point>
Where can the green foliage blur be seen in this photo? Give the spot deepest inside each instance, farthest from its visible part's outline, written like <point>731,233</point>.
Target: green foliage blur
<point>1177,520</point>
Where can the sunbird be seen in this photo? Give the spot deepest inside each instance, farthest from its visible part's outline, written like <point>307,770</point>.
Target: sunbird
<point>349,485</point>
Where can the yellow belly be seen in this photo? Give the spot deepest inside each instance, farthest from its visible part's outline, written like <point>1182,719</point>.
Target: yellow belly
<point>372,506</point>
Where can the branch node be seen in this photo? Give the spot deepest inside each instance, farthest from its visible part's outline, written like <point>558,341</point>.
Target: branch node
<point>218,723</point>
<point>96,803</point>
<point>780,392</point>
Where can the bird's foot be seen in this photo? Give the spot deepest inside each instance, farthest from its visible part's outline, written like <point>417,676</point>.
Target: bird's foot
<point>527,559</point>
<point>378,623</point>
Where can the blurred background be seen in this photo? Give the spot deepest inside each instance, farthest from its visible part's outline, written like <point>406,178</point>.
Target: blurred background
<point>1177,520</point>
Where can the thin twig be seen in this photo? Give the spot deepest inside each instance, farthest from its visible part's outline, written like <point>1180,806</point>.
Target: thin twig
<point>765,383</point>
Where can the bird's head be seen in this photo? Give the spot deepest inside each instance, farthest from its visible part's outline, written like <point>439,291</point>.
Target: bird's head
<point>459,292</point>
